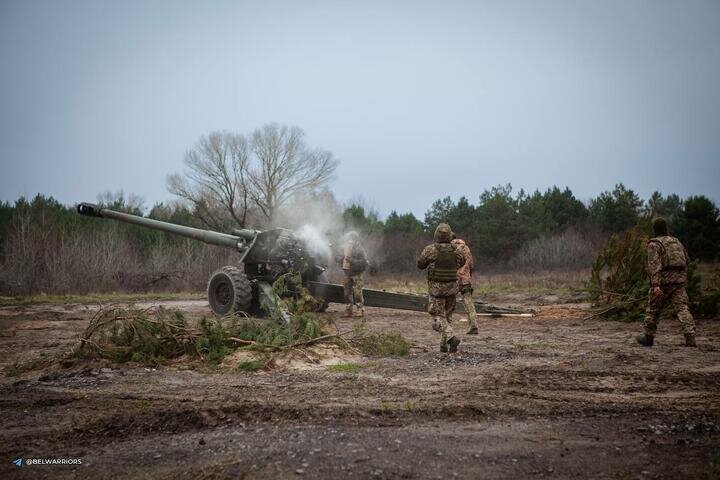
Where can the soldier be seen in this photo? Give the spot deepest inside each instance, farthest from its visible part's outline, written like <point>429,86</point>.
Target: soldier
<point>667,266</point>
<point>465,284</point>
<point>442,260</point>
<point>353,262</point>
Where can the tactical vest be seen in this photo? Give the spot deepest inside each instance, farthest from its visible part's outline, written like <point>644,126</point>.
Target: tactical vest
<point>673,253</point>
<point>353,260</point>
<point>444,268</point>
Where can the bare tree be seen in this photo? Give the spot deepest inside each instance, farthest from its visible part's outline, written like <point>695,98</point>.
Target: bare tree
<point>215,181</point>
<point>132,204</point>
<point>229,176</point>
<point>285,167</point>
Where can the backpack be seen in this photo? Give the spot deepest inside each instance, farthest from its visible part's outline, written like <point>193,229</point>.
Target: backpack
<point>673,253</point>
<point>354,261</point>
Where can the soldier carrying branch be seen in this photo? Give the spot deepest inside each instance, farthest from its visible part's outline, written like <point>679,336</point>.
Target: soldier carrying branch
<point>667,267</point>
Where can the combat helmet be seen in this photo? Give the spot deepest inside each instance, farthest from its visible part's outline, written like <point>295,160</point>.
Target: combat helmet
<point>660,227</point>
<point>443,233</point>
<point>352,236</point>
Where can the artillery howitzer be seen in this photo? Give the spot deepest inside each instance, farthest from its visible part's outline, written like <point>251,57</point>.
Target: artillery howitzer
<point>265,256</point>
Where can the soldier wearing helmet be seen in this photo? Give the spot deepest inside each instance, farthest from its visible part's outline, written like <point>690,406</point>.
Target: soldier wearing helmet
<point>442,260</point>
<point>353,262</point>
<point>667,267</point>
<point>465,284</point>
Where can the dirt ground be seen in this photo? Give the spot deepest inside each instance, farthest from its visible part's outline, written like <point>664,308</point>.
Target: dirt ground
<point>553,396</point>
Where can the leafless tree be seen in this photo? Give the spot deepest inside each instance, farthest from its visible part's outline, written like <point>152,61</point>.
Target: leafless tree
<point>229,175</point>
<point>216,179</point>
<point>285,167</point>
<point>133,203</point>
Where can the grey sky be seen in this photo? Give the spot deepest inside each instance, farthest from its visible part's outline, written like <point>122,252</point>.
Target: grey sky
<point>417,99</point>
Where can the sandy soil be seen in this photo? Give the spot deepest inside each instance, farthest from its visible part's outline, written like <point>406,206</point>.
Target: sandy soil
<point>553,396</point>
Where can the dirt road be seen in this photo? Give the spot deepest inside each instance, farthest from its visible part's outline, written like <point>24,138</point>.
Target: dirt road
<point>553,396</point>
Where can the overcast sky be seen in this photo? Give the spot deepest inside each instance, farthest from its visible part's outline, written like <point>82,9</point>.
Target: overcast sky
<point>418,100</point>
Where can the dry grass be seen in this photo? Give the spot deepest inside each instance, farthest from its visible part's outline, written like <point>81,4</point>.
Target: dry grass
<point>495,284</point>
<point>532,281</point>
<point>100,298</point>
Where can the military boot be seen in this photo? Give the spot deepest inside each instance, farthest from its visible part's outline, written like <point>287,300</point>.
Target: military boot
<point>473,330</point>
<point>444,348</point>
<point>645,340</point>
<point>453,343</point>
<point>690,340</point>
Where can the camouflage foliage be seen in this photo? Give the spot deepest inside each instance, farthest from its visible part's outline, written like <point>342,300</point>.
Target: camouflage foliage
<point>292,296</point>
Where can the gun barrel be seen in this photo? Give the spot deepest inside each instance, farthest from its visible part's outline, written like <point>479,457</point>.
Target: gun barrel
<point>207,236</point>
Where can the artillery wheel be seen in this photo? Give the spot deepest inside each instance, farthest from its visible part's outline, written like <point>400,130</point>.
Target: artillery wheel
<point>229,291</point>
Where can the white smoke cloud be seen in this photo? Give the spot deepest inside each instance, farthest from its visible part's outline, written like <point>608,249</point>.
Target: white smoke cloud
<point>316,242</point>
<point>317,220</point>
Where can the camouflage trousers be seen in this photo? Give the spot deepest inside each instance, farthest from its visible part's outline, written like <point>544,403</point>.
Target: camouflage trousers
<point>469,306</point>
<point>674,301</point>
<point>353,287</point>
<point>442,308</point>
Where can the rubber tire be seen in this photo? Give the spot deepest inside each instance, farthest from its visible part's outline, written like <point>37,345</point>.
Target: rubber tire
<point>229,291</point>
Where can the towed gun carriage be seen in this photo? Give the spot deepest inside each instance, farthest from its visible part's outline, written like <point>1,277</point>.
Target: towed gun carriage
<point>264,257</point>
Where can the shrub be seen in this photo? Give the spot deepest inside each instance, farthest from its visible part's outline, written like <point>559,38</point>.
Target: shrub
<point>149,336</point>
<point>380,344</point>
<point>302,328</point>
<point>154,335</point>
<point>213,342</point>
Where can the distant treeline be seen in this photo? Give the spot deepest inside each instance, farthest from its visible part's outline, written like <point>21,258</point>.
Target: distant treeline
<point>47,247</point>
<point>504,228</point>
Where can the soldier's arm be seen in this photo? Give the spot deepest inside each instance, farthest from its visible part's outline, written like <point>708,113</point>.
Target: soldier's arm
<point>654,263</point>
<point>425,257</point>
<point>470,261</point>
<point>363,255</point>
<point>459,257</point>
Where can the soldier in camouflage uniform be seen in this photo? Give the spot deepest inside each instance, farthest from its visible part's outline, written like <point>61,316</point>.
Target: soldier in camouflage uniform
<point>353,262</point>
<point>442,260</point>
<point>465,284</point>
<point>667,266</point>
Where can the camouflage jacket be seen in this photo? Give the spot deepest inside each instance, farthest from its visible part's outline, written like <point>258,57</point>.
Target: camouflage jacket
<point>659,275</point>
<point>464,272</point>
<point>427,259</point>
<point>353,260</point>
